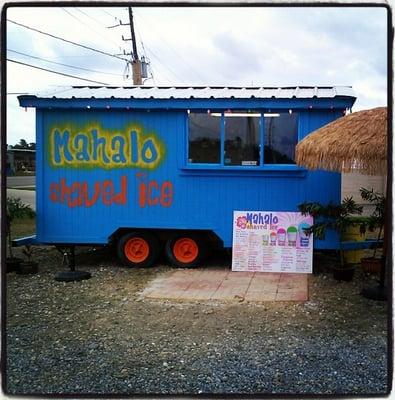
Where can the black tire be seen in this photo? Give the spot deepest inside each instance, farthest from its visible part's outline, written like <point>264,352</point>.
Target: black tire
<point>192,258</point>
<point>138,249</point>
<point>72,276</point>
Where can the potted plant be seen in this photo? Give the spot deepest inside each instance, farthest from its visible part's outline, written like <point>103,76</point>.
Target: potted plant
<point>375,221</point>
<point>339,218</point>
<point>355,231</point>
<point>29,266</point>
<point>15,209</point>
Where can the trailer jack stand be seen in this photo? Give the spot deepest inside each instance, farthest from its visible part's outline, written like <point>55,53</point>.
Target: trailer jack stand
<point>72,275</point>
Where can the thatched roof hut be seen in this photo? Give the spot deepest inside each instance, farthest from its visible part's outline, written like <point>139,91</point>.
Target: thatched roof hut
<point>356,142</point>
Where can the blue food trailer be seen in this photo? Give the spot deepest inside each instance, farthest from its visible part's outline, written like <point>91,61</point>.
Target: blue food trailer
<point>165,167</point>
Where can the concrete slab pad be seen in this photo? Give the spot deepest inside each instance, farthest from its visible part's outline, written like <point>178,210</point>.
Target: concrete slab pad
<point>241,274</point>
<point>229,295</point>
<point>261,296</point>
<point>291,296</point>
<point>263,285</point>
<point>223,284</point>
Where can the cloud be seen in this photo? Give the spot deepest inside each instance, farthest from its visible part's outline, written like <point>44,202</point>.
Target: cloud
<point>204,46</point>
<point>20,123</point>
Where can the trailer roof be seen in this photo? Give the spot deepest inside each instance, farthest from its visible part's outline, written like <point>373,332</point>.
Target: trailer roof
<point>195,92</point>
<point>182,98</point>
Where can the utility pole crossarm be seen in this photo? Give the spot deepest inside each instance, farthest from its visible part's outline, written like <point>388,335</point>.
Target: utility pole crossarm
<point>116,26</point>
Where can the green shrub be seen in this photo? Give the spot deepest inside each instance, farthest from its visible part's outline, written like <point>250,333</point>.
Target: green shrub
<point>16,209</point>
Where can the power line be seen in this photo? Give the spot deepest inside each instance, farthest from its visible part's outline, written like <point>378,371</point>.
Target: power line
<point>60,90</point>
<point>67,41</point>
<point>64,65</point>
<point>89,16</point>
<point>71,15</point>
<point>87,25</point>
<point>149,65</point>
<point>108,13</point>
<point>173,73</point>
<point>155,56</point>
<point>56,72</point>
<point>179,56</point>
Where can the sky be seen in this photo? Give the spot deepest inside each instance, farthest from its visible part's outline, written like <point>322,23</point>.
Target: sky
<point>196,46</point>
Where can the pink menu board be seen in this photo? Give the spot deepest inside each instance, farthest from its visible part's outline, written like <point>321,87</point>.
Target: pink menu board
<point>270,241</point>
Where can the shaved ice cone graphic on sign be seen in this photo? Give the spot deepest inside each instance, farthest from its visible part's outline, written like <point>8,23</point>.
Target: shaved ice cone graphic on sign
<point>292,233</point>
<point>281,236</point>
<point>265,238</point>
<point>304,237</point>
<point>273,238</point>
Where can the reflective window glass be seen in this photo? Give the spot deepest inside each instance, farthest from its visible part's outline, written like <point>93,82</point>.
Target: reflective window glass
<point>242,138</point>
<point>281,137</point>
<point>204,138</point>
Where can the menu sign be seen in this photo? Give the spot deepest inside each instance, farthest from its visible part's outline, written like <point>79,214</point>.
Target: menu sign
<point>270,241</point>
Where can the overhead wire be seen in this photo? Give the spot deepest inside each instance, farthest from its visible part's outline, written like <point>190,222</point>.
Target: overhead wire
<point>145,54</point>
<point>146,57</point>
<point>148,61</point>
<point>157,58</point>
<point>179,56</point>
<point>56,72</point>
<point>108,13</point>
<point>89,16</point>
<point>68,41</point>
<point>60,90</point>
<point>165,66</point>
<point>86,47</point>
<point>64,65</point>
<point>87,25</point>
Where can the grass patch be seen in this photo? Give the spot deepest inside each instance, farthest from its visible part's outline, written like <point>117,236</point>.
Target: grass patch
<point>24,173</point>
<point>33,188</point>
<point>21,227</point>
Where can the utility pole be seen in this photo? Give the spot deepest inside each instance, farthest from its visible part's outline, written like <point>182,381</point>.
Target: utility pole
<point>139,67</point>
<point>136,63</point>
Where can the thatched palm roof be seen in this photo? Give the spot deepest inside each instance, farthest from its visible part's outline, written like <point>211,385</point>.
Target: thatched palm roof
<point>355,142</point>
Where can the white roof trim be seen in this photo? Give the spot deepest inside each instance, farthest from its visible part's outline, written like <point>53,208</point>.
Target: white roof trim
<point>181,92</point>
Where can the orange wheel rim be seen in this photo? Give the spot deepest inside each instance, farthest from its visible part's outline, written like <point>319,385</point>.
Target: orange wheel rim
<point>185,250</point>
<point>136,250</point>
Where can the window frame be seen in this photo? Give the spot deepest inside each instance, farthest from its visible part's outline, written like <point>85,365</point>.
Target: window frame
<point>221,166</point>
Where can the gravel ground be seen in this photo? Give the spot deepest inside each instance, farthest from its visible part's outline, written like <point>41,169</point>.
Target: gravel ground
<point>100,336</point>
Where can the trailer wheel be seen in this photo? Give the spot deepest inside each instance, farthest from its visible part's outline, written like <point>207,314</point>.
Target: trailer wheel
<point>184,251</point>
<point>138,249</point>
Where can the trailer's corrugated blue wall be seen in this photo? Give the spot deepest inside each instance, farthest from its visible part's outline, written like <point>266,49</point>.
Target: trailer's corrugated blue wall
<point>78,203</point>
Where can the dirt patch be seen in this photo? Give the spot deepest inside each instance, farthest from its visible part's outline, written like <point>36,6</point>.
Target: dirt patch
<point>101,336</point>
